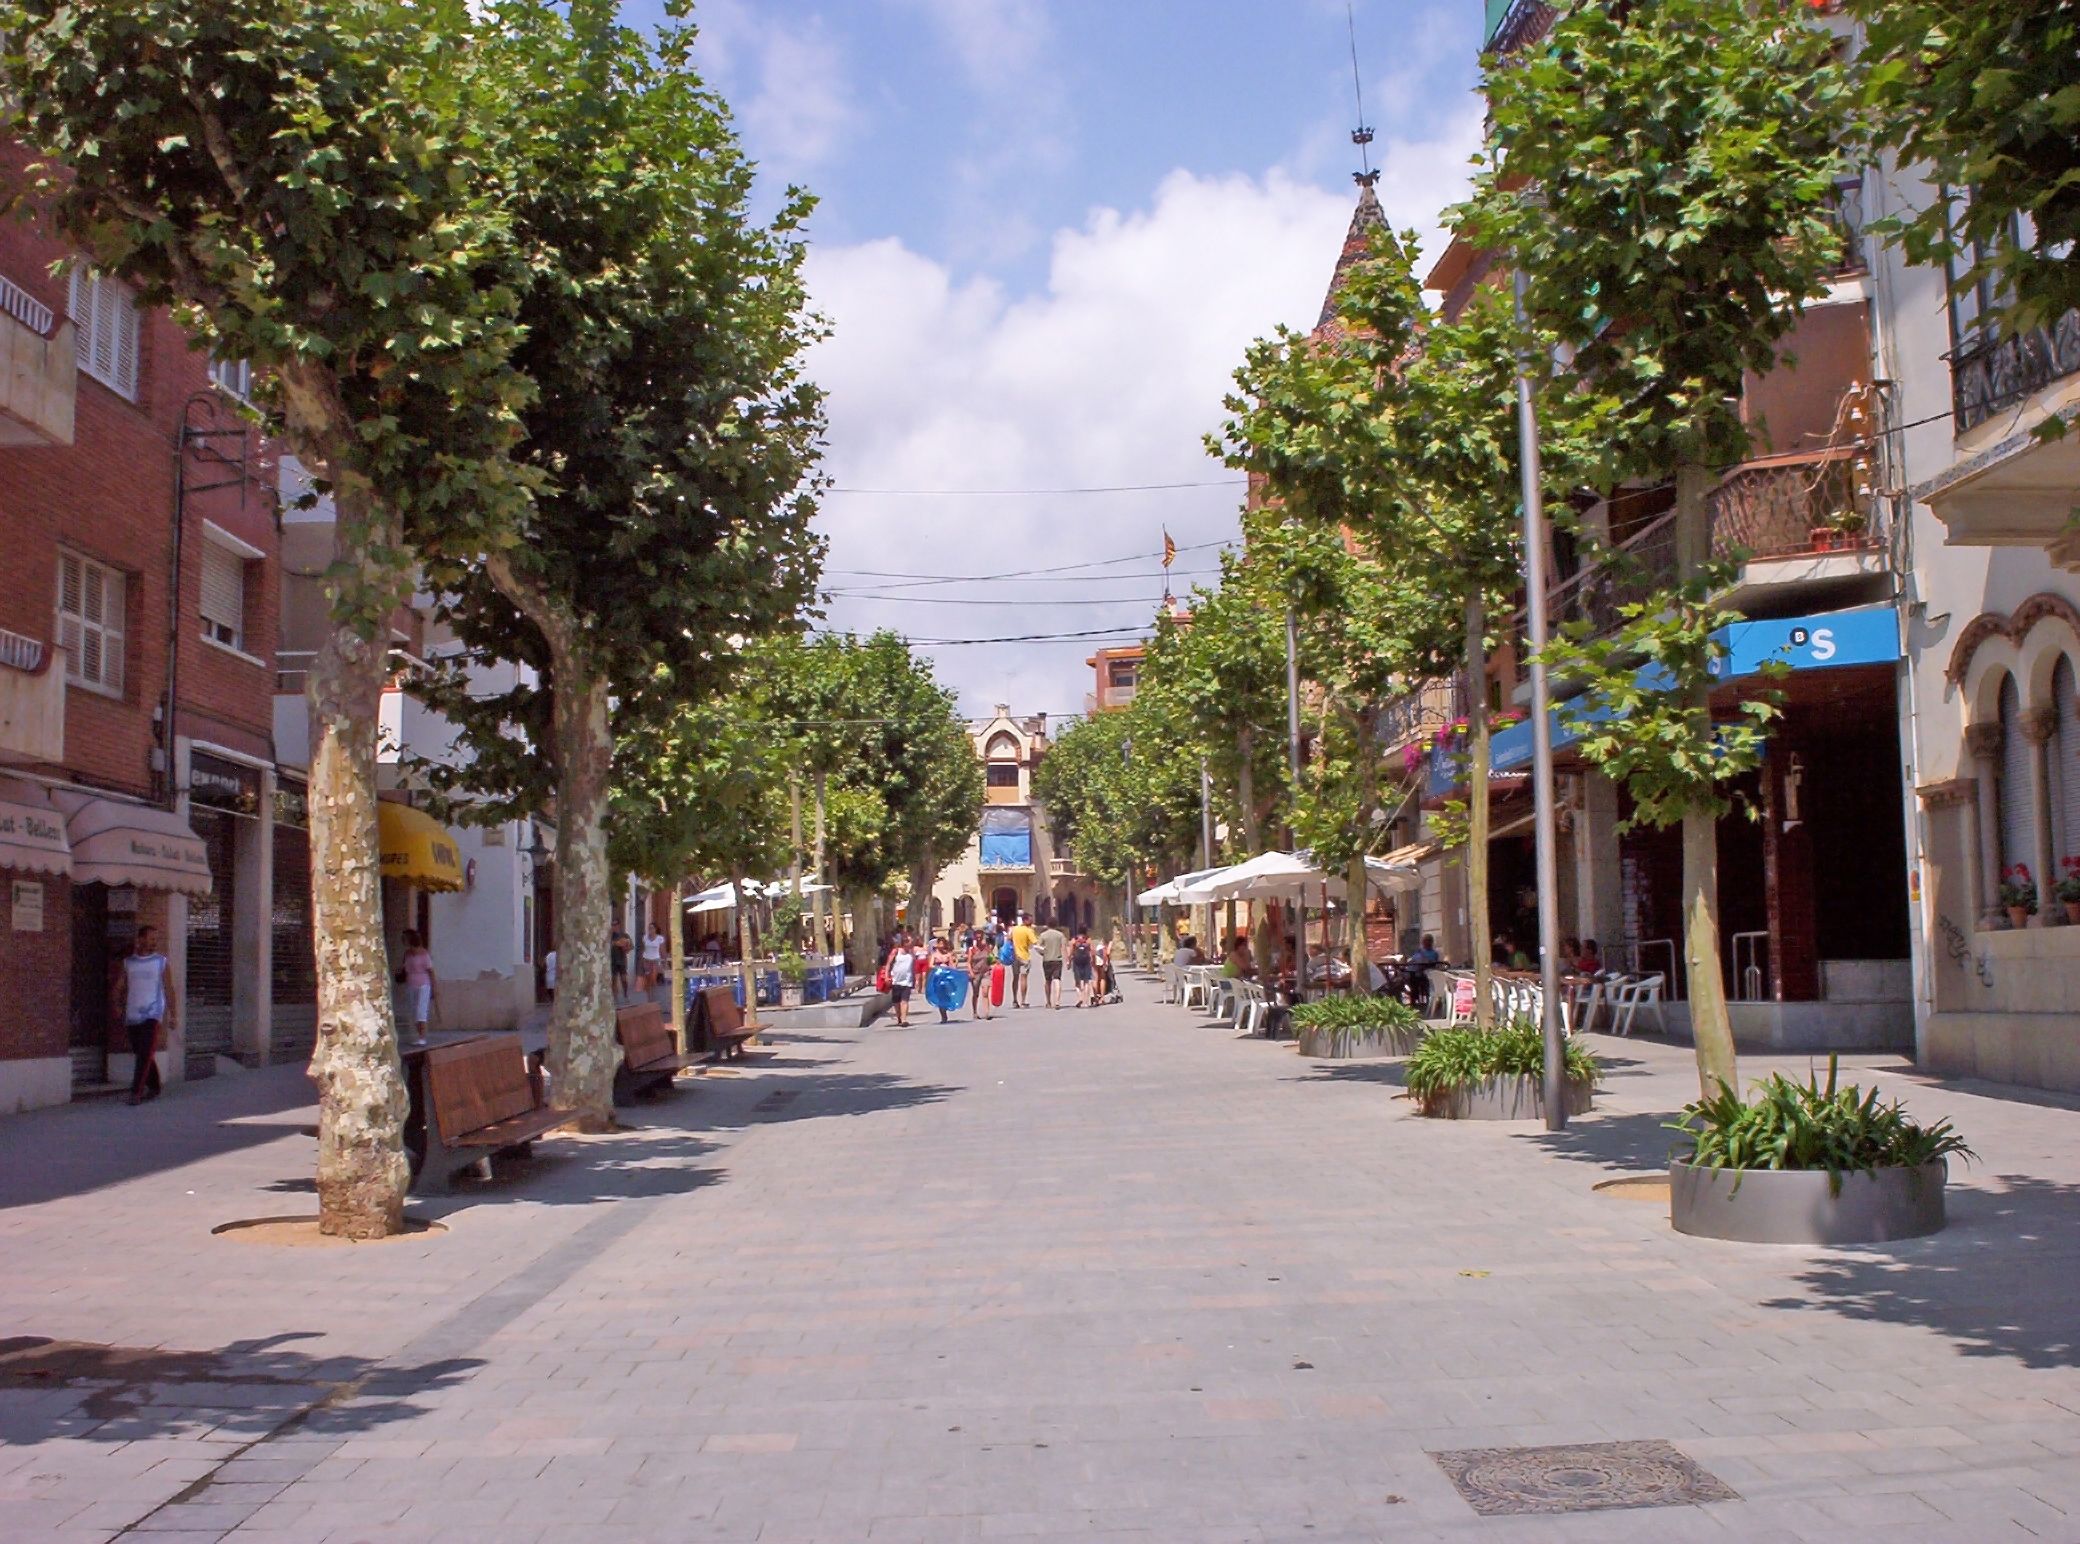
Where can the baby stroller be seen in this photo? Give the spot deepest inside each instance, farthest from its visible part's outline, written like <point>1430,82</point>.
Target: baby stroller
<point>1106,982</point>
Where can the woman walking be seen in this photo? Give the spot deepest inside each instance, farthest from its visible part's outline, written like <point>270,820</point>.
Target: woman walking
<point>982,959</point>
<point>419,983</point>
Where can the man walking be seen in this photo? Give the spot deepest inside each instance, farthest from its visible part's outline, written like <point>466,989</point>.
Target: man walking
<point>145,999</point>
<point>1022,940</point>
<point>1053,945</point>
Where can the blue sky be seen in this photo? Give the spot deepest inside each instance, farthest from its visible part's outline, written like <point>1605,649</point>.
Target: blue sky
<point>1047,231</point>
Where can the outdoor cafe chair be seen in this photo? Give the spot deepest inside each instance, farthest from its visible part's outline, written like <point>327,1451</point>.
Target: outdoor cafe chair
<point>1632,993</point>
<point>1198,986</point>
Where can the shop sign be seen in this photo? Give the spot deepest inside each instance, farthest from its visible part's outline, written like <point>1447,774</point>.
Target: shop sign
<point>223,785</point>
<point>28,906</point>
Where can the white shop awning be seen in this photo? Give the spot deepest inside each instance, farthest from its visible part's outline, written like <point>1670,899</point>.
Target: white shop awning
<point>132,844</point>
<point>32,831</point>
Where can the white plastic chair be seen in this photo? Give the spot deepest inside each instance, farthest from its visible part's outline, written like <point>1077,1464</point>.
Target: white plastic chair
<point>1453,1013</point>
<point>1198,986</point>
<point>1630,995</point>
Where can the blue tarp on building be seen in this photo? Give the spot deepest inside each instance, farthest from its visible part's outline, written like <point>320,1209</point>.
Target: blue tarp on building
<point>1007,838</point>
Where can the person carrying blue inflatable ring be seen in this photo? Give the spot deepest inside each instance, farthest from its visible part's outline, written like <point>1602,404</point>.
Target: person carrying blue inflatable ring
<point>946,989</point>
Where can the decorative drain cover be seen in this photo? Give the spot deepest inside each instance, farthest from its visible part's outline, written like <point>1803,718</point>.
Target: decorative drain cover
<point>1585,1477</point>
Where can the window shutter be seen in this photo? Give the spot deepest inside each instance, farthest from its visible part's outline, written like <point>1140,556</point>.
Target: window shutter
<point>129,324</point>
<point>112,618</point>
<point>107,330</point>
<point>224,590</point>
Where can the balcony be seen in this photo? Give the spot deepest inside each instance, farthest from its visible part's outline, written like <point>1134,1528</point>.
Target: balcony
<point>32,700</point>
<point>1806,517</point>
<point>1989,375</point>
<point>1064,868</point>
<point>38,371</point>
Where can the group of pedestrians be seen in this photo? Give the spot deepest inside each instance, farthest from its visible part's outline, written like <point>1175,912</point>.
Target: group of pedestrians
<point>977,966</point>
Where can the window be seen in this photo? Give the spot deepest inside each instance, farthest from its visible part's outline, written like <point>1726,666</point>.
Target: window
<point>1003,775</point>
<point>2018,823</point>
<point>90,623</point>
<point>233,375</point>
<point>106,325</point>
<point>223,596</point>
<point>1122,672</point>
<point>226,566</point>
<point>2065,794</point>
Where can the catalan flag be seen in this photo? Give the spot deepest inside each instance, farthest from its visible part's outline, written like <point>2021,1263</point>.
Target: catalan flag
<point>1169,548</point>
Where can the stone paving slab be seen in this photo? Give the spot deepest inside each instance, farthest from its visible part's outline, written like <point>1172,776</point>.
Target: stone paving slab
<point>1092,1275</point>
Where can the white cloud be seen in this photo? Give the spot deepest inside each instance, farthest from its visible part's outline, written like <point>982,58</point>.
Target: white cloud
<point>788,84</point>
<point>1110,374</point>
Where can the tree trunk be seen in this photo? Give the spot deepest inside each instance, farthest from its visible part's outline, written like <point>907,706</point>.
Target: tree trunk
<point>581,1025</point>
<point>581,1028</point>
<point>794,847</point>
<point>362,1170</point>
<point>824,940</point>
<point>677,939</point>
<point>857,941</point>
<point>1479,928</point>
<point>1356,883</point>
<point>1711,1025</point>
<point>746,971</point>
<point>1246,796</point>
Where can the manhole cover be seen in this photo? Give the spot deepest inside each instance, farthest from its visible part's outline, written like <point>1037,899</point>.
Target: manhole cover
<point>1587,1477</point>
<point>1636,1187</point>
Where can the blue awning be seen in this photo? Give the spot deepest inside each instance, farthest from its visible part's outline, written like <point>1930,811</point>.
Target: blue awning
<point>1828,640</point>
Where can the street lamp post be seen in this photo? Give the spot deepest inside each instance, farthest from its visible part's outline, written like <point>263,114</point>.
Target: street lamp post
<point>1547,838</point>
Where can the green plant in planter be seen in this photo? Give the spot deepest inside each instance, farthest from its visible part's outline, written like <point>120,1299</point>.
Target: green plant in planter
<point>1350,1019</point>
<point>1792,1125</point>
<point>793,967</point>
<point>1465,1057</point>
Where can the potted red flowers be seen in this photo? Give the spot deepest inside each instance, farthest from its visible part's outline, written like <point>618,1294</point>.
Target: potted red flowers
<point>2018,894</point>
<point>2068,888</point>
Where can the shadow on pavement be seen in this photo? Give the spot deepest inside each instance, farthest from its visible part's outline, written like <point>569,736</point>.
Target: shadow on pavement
<point>70,1150</point>
<point>1996,1282</point>
<point>1385,1070</point>
<point>1629,1143</point>
<point>74,1390</point>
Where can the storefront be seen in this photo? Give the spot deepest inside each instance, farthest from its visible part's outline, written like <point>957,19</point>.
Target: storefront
<point>134,865</point>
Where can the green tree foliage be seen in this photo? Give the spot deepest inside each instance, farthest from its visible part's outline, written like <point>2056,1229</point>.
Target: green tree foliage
<point>308,184</point>
<point>673,437</point>
<point>1987,98</point>
<point>1664,176</point>
<point>1122,789</point>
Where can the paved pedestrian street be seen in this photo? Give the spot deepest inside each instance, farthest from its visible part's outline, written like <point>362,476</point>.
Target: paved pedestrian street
<point>1102,1275</point>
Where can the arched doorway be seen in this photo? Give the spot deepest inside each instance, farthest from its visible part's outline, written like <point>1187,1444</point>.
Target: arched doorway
<point>1004,902</point>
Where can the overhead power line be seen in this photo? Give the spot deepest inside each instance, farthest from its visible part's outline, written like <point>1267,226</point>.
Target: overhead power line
<point>1036,493</point>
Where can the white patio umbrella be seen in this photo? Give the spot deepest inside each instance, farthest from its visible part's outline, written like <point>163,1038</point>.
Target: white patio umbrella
<point>1267,874</point>
<point>1169,892</point>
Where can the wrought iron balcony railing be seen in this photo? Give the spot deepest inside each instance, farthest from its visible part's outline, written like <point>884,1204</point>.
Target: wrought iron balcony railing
<point>1989,374</point>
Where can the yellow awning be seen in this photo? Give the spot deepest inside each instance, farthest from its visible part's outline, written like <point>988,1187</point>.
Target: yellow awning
<point>417,848</point>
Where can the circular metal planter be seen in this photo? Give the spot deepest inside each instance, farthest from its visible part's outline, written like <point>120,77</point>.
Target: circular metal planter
<point>1798,1206</point>
<point>1521,1097</point>
<point>1353,1044</point>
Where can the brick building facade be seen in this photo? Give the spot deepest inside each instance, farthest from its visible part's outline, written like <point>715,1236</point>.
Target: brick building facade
<point>137,641</point>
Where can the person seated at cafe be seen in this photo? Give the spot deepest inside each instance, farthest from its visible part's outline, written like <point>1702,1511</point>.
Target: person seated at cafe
<point>1570,950</point>
<point>1588,960</point>
<point>1425,955</point>
<point>1512,957</point>
<point>1187,954</point>
<point>1323,966</point>
<point>1237,961</point>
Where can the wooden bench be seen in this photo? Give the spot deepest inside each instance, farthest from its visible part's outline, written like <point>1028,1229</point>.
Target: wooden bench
<point>722,1026</point>
<point>649,1056</point>
<point>480,1103</point>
